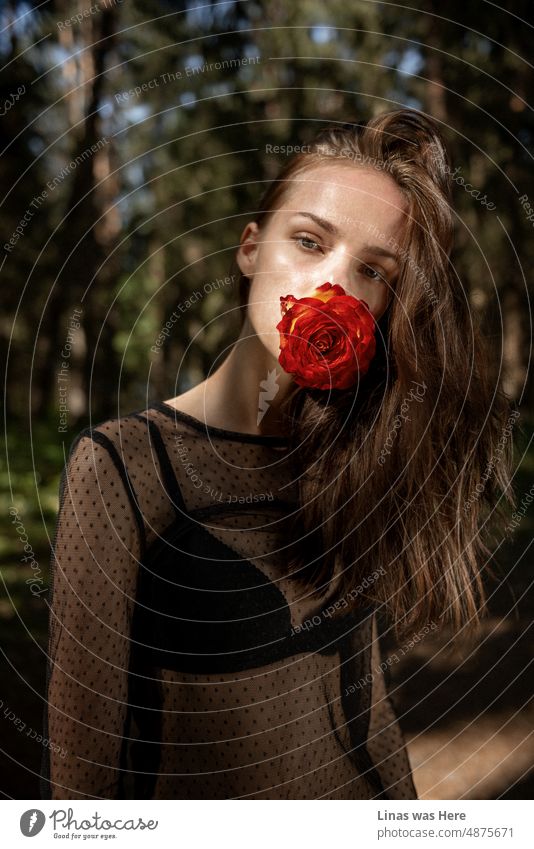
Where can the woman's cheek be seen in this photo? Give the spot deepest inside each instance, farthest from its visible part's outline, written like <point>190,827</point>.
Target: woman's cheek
<point>264,315</point>
<point>282,258</point>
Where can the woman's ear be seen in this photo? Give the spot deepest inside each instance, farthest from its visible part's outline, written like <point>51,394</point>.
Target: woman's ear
<point>248,249</point>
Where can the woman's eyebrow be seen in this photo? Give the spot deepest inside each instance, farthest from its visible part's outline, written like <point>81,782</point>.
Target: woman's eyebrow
<point>331,228</point>
<point>321,222</point>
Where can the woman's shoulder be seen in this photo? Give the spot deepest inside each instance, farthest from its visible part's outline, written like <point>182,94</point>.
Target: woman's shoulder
<point>132,443</point>
<point>113,458</point>
<point>107,432</point>
<point>120,429</point>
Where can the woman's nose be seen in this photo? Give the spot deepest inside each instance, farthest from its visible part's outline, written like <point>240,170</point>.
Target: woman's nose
<point>339,271</point>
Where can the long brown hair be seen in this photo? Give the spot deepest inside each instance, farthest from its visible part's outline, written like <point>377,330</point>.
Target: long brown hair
<point>390,474</point>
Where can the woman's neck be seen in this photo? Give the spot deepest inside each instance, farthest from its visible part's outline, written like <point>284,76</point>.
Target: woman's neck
<point>245,393</point>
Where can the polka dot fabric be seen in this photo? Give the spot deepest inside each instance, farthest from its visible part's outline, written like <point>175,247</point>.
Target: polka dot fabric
<point>184,663</point>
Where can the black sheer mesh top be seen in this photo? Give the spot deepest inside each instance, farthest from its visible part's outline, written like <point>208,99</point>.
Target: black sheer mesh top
<point>183,664</point>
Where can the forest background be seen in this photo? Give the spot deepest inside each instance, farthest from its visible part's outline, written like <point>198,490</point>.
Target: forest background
<point>136,139</point>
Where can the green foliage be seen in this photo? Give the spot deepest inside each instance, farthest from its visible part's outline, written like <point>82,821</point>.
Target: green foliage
<point>151,191</point>
<point>128,234</point>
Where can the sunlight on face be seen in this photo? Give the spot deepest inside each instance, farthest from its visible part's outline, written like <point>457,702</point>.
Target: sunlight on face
<point>338,223</point>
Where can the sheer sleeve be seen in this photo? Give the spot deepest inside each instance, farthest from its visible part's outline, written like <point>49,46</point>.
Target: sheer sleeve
<point>385,744</point>
<point>94,569</point>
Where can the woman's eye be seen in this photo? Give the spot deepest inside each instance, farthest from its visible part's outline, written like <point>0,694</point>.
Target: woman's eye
<point>309,240</point>
<point>372,273</point>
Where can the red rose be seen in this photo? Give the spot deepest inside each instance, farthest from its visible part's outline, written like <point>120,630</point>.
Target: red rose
<point>326,341</point>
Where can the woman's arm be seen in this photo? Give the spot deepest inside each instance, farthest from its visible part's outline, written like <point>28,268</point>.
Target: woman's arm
<point>385,744</point>
<point>94,572</point>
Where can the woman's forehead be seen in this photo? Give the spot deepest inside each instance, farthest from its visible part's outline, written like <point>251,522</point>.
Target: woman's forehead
<point>347,201</point>
<point>322,182</point>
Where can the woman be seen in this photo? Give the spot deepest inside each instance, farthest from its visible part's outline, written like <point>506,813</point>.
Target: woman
<point>221,558</point>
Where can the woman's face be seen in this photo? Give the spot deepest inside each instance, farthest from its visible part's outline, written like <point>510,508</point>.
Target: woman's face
<point>338,223</point>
